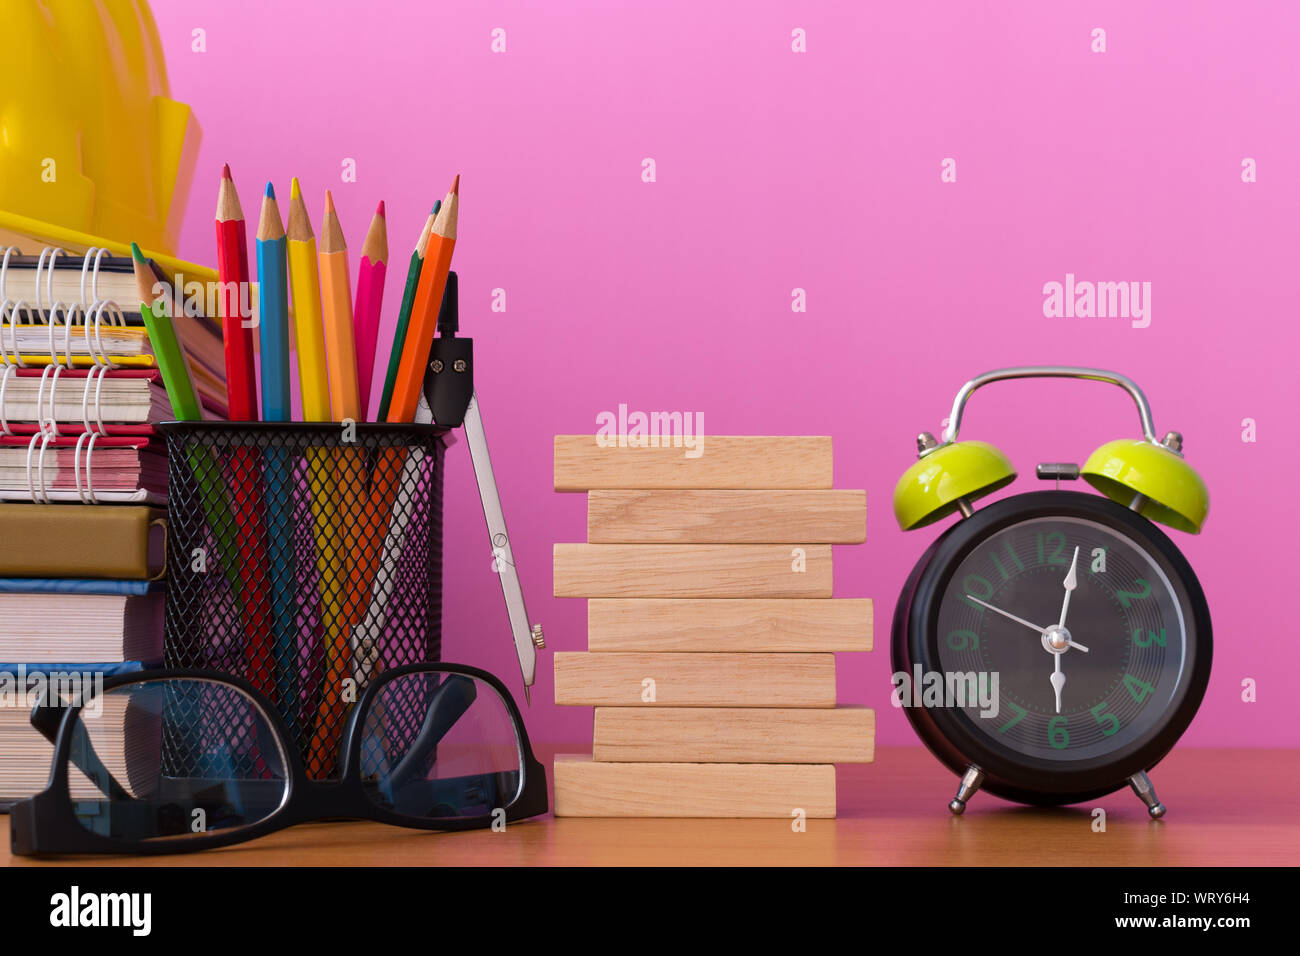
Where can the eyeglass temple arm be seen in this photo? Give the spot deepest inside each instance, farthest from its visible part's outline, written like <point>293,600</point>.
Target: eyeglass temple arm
<point>447,705</point>
<point>1051,371</point>
<point>47,717</point>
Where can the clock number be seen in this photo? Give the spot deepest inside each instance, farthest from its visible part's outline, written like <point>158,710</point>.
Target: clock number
<point>1020,715</point>
<point>1109,722</point>
<point>1140,689</point>
<point>1057,735</point>
<point>1057,555</point>
<point>961,640</point>
<point>1128,597</point>
<point>1002,568</point>
<point>1015,558</point>
<point>1151,638</point>
<point>977,586</point>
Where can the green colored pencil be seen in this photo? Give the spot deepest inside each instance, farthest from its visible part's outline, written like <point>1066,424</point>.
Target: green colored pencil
<point>404,313</point>
<point>185,406</point>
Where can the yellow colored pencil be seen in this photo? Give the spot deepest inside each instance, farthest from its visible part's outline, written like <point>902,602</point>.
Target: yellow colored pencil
<point>313,388</point>
<point>309,335</point>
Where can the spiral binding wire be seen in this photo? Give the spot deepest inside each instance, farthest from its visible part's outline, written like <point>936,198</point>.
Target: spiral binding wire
<point>61,318</point>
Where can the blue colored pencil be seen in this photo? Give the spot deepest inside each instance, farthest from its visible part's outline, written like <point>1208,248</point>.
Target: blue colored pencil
<point>273,324</point>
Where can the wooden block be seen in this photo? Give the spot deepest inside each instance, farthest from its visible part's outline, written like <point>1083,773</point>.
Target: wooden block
<point>734,735</point>
<point>723,461</point>
<point>696,680</point>
<point>726,517</point>
<point>775,624</point>
<point>692,570</point>
<point>586,788</point>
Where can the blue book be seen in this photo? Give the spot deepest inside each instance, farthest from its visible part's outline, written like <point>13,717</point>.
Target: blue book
<point>76,586</point>
<point>107,668</point>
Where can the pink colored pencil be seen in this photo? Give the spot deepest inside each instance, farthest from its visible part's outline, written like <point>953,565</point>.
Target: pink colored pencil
<point>370,300</point>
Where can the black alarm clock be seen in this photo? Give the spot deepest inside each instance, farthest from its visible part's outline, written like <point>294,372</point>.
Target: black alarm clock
<point>1053,646</point>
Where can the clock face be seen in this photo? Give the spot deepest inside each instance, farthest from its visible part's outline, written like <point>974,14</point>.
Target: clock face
<point>1107,679</point>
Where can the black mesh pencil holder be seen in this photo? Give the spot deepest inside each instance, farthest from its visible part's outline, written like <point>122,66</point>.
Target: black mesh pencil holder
<point>307,558</point>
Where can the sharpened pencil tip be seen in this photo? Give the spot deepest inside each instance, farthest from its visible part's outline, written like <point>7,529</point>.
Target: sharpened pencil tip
<point>455,186</point>
<point>295,191</point>
<point>379,210</point>
<point>225,172</point>
<point>437,204</point>
<point>329,202</point>
<point>270,191</point>
<point>136,254</point>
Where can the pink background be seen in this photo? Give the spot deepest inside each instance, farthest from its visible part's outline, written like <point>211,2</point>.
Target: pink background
<point>779,170</point>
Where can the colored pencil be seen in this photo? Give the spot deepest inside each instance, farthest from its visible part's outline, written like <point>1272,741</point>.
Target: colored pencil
<point>336,311</point>
<point>273,299</point>
<point>347,478</point>
<point>404,313</point>
<point>232,272</point>
<point>370,300</point>
<point>185,406</point>
<point>409,383</point>
<point>366,632</point>
<point>424,311</point>
<point>309,335</point>
<point>313,385</point>
<point>383,577</point>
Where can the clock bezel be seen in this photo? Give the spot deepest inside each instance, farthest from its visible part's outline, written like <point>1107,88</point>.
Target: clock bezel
<point>1014,775</point>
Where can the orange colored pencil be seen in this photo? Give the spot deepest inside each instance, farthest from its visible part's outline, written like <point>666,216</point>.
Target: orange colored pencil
<point>410,380</point>
<point>424,314</point>
<point>336,311</point>
<point>344,601</point>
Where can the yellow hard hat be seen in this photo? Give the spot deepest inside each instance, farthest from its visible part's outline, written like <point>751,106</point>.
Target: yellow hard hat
<point>93,151</point>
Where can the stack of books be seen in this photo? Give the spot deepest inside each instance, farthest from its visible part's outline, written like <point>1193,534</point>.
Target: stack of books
<point>712,629</point>
<point>83,485</point>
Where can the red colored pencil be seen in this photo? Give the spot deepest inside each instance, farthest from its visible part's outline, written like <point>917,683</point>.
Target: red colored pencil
<point>369,303</point>
<point>232,271</point>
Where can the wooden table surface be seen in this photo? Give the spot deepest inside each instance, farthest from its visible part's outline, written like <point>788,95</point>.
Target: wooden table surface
<point>1226,807</point>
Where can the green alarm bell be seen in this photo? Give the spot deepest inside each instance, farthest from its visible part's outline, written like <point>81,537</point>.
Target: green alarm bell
<point>1062,641</point>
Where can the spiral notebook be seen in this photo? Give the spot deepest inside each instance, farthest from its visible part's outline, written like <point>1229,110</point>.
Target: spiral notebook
<point>82,313</point>
<point>79,386</point>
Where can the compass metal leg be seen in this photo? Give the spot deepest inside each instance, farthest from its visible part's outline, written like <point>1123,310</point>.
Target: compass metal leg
<point>1141,785</point>
<point>969,784</point>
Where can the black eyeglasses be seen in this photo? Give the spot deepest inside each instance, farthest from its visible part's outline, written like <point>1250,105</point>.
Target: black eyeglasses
<point>170,761</point>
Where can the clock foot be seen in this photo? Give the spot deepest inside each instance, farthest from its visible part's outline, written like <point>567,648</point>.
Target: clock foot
<point>969,784</point>
<point>1141,785</point>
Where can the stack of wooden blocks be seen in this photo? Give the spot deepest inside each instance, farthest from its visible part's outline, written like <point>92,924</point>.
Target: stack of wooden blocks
<point>711,628</point>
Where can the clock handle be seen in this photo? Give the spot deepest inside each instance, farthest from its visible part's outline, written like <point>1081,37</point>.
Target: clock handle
<point>1051,371</point>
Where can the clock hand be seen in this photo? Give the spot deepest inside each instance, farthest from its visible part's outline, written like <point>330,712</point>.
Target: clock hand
<point>998,610</point>
<point>1071,582</point>
<point>1058,681</point>
<point>1021,620</point>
